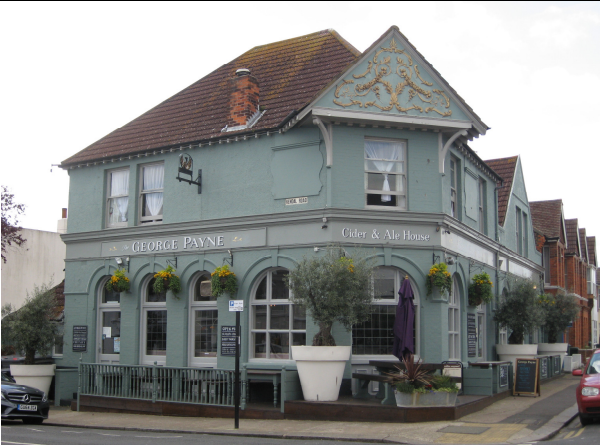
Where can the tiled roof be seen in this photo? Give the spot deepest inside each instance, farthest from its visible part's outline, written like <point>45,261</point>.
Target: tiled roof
<point>546,217</point>
<point>290,73</point>
<point>582,238</point>
<point>506,168</point>
<point>572,236</point>
<point>591,246</point>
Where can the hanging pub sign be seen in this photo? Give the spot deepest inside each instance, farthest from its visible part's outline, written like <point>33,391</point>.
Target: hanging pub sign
<point>186,168</point>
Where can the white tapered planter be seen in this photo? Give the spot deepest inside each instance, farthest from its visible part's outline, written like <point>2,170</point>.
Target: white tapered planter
<point>513,352</point>
<point>321,369</point>
<point>36,376</point>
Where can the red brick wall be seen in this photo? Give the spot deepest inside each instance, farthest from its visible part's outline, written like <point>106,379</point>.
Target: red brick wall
<point>243,99</point>
<point>540,240</point>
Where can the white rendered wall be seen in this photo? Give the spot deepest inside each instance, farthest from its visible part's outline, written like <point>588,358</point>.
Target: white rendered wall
<point>37,261</point>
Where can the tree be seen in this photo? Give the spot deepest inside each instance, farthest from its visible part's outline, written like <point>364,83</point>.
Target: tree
<point>31,328</point>
<point>560,310</point>
<point>333,288</point>
<point>10,223</point>
<point>520,312</point>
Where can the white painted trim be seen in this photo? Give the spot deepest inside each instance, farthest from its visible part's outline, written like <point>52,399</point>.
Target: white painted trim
<point>327,133</point>
<point>443,151</point>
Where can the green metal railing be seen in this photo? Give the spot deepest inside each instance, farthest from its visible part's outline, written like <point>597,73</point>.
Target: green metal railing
<point>157,383</point>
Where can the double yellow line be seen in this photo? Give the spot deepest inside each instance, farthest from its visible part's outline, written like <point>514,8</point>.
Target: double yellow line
<point>574,434</point>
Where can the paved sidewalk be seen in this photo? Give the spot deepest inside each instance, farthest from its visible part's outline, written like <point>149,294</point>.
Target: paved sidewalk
<point>511,420</point>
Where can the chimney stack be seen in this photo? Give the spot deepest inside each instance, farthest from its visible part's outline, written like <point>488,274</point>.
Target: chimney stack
<point>243,98</point>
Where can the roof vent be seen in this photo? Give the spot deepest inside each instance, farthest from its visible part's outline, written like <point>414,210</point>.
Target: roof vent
<point>242,72</point>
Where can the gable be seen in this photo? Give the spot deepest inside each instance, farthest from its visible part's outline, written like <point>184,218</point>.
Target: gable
<point>392,78</point>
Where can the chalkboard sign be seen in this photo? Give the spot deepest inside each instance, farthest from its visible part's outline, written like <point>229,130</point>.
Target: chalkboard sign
<point>526,376</point>
<point>503,376</point>
<point>471,335</point>
<point>556,366</point>
<point>544,367</point>
<point>228,340</point>
<point>80,338</point>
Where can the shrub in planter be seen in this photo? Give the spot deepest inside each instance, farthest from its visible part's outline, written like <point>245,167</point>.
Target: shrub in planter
<point>480,289</point>
<point>223,280</point>
<point>118,282</point>
<point>559,310</point>
<point>439,277</point>
<point>411,377</point>
<point>520,312</point>
<point>332,288</point>
<point>30,328</point>
<point>166,280</point>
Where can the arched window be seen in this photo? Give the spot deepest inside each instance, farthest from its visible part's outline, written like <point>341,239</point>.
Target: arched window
<point>204,323</point>
<point>109,325</point>
<point>275,322</point>
<point>154,325</point>
<point>454,322</point>
<point>375,337</point>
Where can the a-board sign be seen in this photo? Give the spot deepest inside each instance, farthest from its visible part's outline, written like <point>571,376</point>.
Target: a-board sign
<point>544,367</point>
<point>527,376</point>
<point>471,335</point>
<point>503,376</point>
<point>80,338</point>
<point>556,366</point>
<point>228,340</point>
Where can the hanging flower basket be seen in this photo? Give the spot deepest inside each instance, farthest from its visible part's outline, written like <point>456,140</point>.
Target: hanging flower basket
<point>223,280</point>
<point>439,277</point>
<point>166,280</point>
<point>480,289</point>
<point>118,282</point>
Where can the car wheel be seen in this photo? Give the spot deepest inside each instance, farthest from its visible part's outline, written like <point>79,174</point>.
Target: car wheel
<point>584,420</point>
<point>32,421</point>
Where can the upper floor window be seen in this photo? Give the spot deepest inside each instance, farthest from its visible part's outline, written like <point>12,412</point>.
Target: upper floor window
<point>453,187</point>
<point>117,198</point>
<point>151,199</point>
<point>519,231</point>
<point>525,234</point>
<point>385,173</point>
<point>481,202</point>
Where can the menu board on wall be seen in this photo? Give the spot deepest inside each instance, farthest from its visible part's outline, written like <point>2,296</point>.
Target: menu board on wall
<point>526,377</point>
<point>80,338</point>
<point>556,367</point>
<point>471,335</point>
<point>544,367</point>
<point>503,376</point>
<point>228,339</point>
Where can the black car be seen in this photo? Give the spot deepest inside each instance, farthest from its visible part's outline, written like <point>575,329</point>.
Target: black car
<point>23,402</point>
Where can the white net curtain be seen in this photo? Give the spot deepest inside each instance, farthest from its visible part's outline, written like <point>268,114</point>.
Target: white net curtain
<point>154,180</point>
<point>383,154</point>
<point>119,185</point>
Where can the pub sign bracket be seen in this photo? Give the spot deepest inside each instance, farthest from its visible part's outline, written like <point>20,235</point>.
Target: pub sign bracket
<point>186,167</point>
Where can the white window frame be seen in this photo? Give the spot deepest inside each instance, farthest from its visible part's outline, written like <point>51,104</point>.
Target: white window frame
<point>453,188</point>
<point>481,185</point>
<point>110,306</point>
<point>401,177</point>
<point>481,328</point>
<point>156,219</point>
<point>208,361</point>
<point>109,197</point>
<point>525,234</point>
<point>61,337</point>
<point>270,302</point>
<point>148,306</point>
<point>519,230</point>
<point>399,275</point>
<point>454,323</point>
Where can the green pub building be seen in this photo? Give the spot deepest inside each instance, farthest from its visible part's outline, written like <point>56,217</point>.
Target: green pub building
<point>297,144</point>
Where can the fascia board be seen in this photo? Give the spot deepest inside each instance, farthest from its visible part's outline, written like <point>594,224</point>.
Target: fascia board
<point>394,32</point>
<point>370,117</point>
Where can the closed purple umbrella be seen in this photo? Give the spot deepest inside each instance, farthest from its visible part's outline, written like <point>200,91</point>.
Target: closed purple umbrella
<point>405,320</point>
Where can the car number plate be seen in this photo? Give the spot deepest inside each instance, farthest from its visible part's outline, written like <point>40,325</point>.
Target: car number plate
<point>27,407</point>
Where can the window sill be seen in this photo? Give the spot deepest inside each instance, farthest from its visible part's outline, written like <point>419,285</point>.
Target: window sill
<point>388,208</point>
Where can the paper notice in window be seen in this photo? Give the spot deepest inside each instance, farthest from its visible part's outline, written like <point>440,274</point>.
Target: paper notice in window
<point>106,332</point>
<point>117,344</point>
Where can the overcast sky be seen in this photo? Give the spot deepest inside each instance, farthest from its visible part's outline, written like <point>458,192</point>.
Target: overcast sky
<point>74,72</point>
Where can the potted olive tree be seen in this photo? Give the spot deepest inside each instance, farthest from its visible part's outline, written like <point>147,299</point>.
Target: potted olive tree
<point>560,310</point>
<point>333,288</point>
<point>520,313</point>
<point>30,329</point>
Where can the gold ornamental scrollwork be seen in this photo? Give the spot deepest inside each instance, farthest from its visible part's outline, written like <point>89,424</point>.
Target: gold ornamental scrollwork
<point>392,81</point>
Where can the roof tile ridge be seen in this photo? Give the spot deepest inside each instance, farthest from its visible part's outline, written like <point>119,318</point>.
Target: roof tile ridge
<point>311,35</point>
<point>345,43</point>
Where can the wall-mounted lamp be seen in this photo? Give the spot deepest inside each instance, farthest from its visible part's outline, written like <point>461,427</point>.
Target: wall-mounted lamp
<point>449,260</point>
<point>120,262</point>
<point>500,261</point>
<point>230,259</point>
<point>324,226</point>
